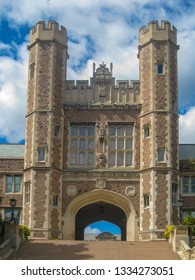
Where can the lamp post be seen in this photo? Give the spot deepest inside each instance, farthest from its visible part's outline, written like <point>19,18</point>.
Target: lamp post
<point>13,205</point>
<point>180,204</point>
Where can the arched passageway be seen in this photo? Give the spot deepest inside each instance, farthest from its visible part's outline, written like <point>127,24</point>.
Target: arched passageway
<point>99,211</point>
<point>114,203</point>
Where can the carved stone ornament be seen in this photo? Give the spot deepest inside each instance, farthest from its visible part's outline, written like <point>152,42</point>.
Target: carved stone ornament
<point>130,191</point>
<point>71,190</point>
<point>101,160</point>
<point>100,183</point>
<point>101,134</point>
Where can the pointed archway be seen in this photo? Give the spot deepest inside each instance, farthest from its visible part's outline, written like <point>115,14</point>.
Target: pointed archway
<point>97,211</point>
<point>116,201</point>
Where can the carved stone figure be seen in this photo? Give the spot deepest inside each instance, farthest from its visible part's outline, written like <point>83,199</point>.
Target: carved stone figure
<point>101,160</point>
<point>101,132</point>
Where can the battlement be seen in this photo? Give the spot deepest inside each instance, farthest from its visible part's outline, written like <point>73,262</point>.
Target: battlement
<point>93,92</point>
<point>119,84</point>
<point>48,32</point>
<point>154,31</point>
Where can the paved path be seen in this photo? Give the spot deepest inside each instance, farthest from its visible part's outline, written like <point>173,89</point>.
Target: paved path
<point>94,250</point>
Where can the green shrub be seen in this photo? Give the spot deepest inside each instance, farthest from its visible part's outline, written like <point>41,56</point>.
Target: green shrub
<point>189,220</point>
<point>26,231</point>
<point>168,230</point>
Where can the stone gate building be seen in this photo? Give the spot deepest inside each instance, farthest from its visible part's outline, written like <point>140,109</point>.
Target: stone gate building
<point>98,149</point>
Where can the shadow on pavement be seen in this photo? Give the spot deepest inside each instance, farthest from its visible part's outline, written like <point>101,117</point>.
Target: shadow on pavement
<point>50,250</point>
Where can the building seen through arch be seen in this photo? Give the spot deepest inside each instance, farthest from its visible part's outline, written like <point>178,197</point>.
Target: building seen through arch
<point>100,148</point>
<point>96,212</point>
<point>94,230</point>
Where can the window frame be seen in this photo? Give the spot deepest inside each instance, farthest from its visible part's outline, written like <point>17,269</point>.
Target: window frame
<point>189,185</point>
<point>188,212</point>
<point>174,194</point>
<point>160,68</point>
<point>27,191</point>
<point>146,131</point>
<point>13,183</point>
<point>82,152</point>
<point>39,156</point>
<point>117,138</point>
<point>32,71</point>
<point>146,200</point>
<point>17,214</point>
<point>55,200</point>
<point>57,131</point>
<point>160,158</point>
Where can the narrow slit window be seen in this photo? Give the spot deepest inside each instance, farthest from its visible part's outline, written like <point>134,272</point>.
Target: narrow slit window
<point>55,200</point>
<point>57,131</point>
<point>32,71</point>
<point>161,155</point>
<point>41,154</point>
<point>160,69</point>
<point>146,200</point>
<point>27,192</point>
<point>146,131</point>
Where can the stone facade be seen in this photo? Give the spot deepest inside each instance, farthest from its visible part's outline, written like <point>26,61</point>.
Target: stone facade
<point>100,145</point>
<point>10,167</point>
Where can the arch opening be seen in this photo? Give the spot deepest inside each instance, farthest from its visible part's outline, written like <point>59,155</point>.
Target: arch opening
<point>98,211</point>
<point>94,229</point>
<point>100,196</point>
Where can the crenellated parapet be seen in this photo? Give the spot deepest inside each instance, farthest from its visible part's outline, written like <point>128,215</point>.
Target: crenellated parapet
<point>92,92</point>
<point>157,32</point>
<point>48,32</point>
<point>116,84</point>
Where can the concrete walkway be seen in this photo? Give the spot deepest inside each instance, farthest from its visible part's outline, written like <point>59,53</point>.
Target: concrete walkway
<point>94,250</point>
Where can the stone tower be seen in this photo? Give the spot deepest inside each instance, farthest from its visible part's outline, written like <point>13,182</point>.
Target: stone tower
<point>44,130</point>
<point>158,127</point>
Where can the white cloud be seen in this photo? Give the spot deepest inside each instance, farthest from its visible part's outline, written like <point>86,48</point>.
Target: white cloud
<point>186,61</point>
<point>105,31</point>
<point>13,88</point>
<point>4,46</point>
<point>89,230</point>
<point>187,127</point>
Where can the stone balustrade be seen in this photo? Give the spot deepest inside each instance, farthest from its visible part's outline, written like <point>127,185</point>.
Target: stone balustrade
<point>6,249</point>
<point>179,239</point>
<point>13,237</point>
<point>187,252</point>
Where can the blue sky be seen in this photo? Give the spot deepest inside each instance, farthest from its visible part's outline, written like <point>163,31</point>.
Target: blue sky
<point>101,226</point>
<point>98,31</point>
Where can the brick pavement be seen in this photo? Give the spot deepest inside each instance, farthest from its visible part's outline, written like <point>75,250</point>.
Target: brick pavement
<point>94,250</point>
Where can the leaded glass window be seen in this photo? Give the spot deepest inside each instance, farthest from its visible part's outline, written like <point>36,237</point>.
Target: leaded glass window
<point>82,145</point>
<point>120,145</point>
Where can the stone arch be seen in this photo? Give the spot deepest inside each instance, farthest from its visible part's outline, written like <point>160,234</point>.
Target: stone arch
<point>100,195</point>
<point>99,211</point>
